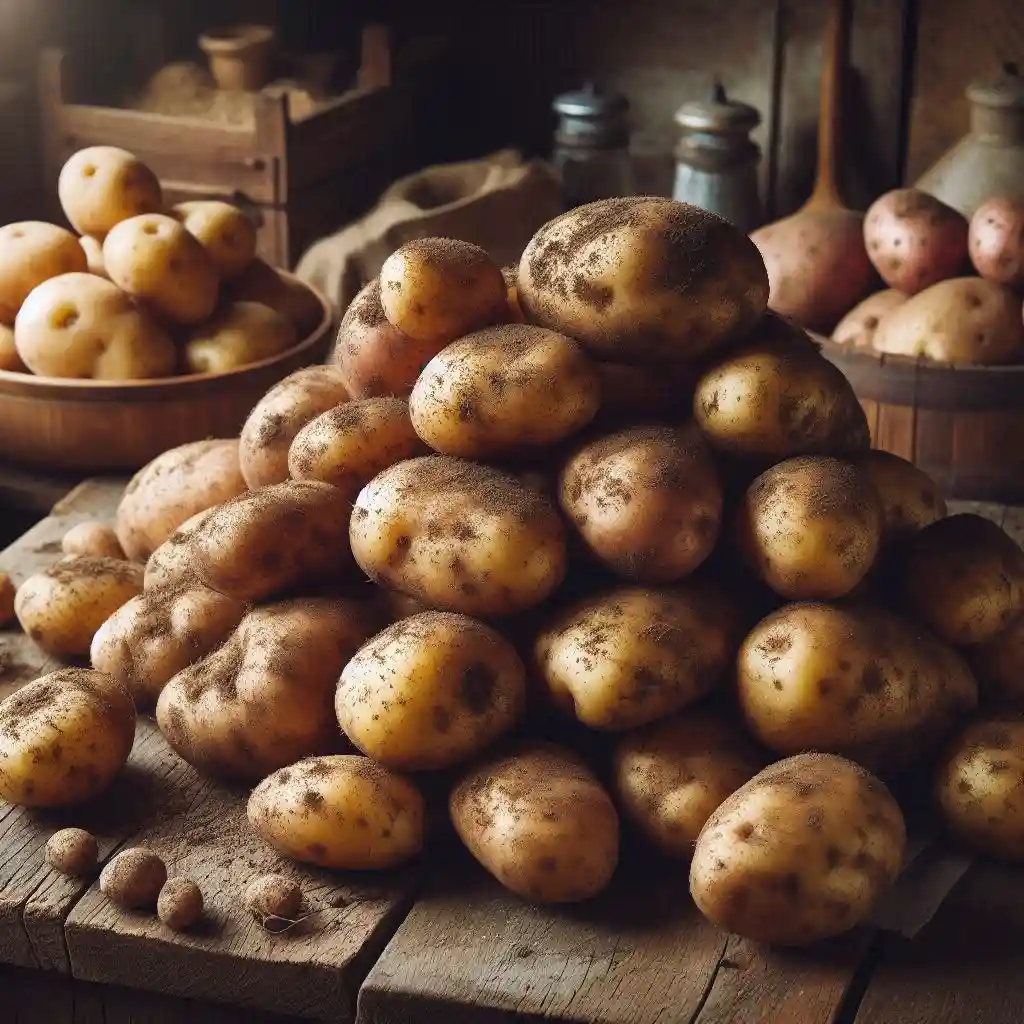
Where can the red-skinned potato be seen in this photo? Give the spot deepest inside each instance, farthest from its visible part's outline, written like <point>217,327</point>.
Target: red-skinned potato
<point>857,328</point>
<point>996,241</point>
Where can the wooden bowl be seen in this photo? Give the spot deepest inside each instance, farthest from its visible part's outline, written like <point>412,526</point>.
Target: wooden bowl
<point>88,427</point>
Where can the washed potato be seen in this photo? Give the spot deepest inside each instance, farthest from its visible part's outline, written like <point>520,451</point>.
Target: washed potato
<point>538,820</point>
<point>857,328</point>
<point>963,578</point>
<point>92,539</point>
<point>172,563</point>
<point>101,186</point>
<point>629,656</point>
<point>223,230</point>
<point>996,241</point>
<point>643,278</point>
<point>647,501</point>
<point>854,680</point>
<point>810,527</point>
<point>979,785</point>
<point>998,665</point>
<point>172,488</point>
<point>239,333</point>
<point>504,390</point>
<point>458,536</point>
<point>62,607</point>
<point>265,698</point>
<point>63,738</point>
<point>287,295</point>
<point>343,812</point>
<point>79,325</point>
<point>153,258</point>
<point>802,852</point>
<point>911,500</point>
<point>93,250</point>
<point>277,418</point>
<point>347,446</point>
<point>435,290</point>
<point>10,361</point>
<point>670,776</point>
<point>32,252</point>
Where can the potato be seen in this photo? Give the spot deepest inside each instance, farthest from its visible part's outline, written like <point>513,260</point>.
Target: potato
<point>278,538</point>
<point>347,446</point>
<point>503,390</point>
<point>802,852</point>
<point>63,738</point>
<point>857,681</point>
<point>134,878</point>
<point>998,666</point>
<point>979,785</point>
<point>625,657</point>
<point>158,634</point>
<point>911,500</point>
<point>79,325</point>
<point>274,900</point>
<point>32,252</point>
<point>344,812</point>
<point>645,392</point>
<point>73,851</point>
<point>101,186</point>
<point>670,776</point>
<point>62,607</point>
<point>810,527</point>
<point>511,275</point>
<point>92,539</point>
<point>643,278</point>
<point>458,536</point>
<point>180,904</point>
<point>278,416</point>
<point>857,328</point>
<point>265,698</point>
<point>538,820</point>
<point>239,333</point>
<point>435,290</point>
<point>172,488</point>
<point>153,258</point>
<point>260,282</point>
<point>10,361</point>
<point>93,250</point>
<point>915,240</point>
<point>430,691</point>
<point>646,500</point>
<point>172,563</point>
<point>227,234</point>
<point>963,578</point>
<point>996,241</point>
<point>963,320</point>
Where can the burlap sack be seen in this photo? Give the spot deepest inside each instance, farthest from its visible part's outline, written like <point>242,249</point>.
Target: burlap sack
<point>497,202</point>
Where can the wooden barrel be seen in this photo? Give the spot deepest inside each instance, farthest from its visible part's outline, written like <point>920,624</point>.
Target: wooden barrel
<point>963,425</point>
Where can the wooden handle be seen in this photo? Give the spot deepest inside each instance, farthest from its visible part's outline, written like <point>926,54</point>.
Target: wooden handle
<point>834,51</point>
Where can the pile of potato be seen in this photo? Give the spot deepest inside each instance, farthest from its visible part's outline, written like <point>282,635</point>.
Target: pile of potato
<point>955,287</point>
<point>140,291</point>
<point>595,544</point>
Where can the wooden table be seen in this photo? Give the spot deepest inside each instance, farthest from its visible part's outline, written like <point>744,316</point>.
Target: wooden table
<point>440,943</point>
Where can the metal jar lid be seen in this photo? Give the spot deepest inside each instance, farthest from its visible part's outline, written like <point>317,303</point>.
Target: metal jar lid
<point>592,116</point>
<point>718,114</point>
<point>1004,92</point>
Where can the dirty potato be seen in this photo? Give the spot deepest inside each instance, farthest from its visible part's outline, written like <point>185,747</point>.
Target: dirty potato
<point>911,499</point>
<point>172,563</point>
<point>998,665</point>
<point>92,539</point>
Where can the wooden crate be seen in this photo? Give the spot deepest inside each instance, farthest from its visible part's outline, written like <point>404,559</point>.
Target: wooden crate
<point>298,179</point>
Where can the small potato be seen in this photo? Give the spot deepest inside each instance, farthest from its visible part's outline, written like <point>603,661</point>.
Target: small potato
<point>857,328</point>
<point>134,878</point>
<point>964,320</point>
<point>274,900</point>
<point>172,488</point>
<point>265,697</point>
<point>915,240</point>
<point>810,527</point>
<point>857,681</point>
<point>503,390</point>
<point>171,564</point>
<point>260,282</point>
<point>223,230</point>
<point>538,820</point>
<point>63,738</point>
<point>92,539</point>
<point>180,904</point>
<point>100,186</point>
<point>435,290</point>
<point>646,500</point>
<point>7,594</point>
<point>911,500</point>
<point>802,852</point>
<point>153,258</point>
<point>996,241</point>
<point>32,252</point>
<point>240,333</point>
<point>458,536</point>
<point>10,361</point>
<point>998,665</point>
<point>277,418</point>
<point>979,785</point>
<point>669,777</point>
<point>344,812</point>
<point>265,542</point>
<point>963,578</point>
<point>430,691</point>
<point>79,325</point>
<point>73,851</point>
<point>347,446</point>
<point>93,250</point>
<point>158,634</point>
<point>62,607</point>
